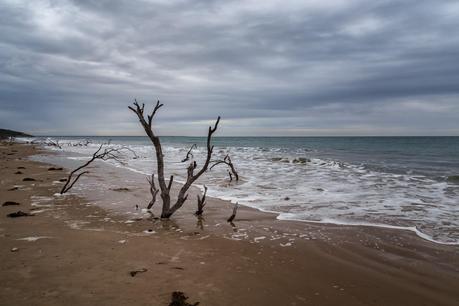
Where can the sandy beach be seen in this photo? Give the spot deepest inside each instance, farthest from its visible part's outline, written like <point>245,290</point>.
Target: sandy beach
<point>72,252</point>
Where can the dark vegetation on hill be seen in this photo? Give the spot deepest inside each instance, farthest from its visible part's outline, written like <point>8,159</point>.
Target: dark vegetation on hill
<point>9,133</point>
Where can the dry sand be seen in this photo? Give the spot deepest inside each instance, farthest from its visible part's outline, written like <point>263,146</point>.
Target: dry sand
<point>71,252</point>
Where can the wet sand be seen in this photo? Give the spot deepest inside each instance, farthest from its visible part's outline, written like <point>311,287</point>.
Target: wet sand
<point>84,254</point>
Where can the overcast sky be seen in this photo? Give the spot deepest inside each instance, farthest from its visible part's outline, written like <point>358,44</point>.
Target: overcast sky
<point>297,68</point>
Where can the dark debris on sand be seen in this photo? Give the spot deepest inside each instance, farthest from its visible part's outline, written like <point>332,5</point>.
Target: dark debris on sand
<point>120,189</point>
<point>55,169</point>
<point>134,273</point>
<point>179,299</point>
<point>19,214</point>
<point>10,203</point>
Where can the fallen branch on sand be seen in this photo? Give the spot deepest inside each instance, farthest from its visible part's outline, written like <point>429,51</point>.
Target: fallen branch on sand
<point>105,154</point>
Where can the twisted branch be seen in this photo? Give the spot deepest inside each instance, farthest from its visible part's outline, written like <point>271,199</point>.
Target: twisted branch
<point>227,161</point>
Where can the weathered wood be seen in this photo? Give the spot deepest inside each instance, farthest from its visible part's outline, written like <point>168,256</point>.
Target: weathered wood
<point>146,122</point>
<point>153,190</point>
<point>227,161</point>
<point>188,154</point>
<point>106,154</point>
<point>201,202</point>
<point>233,215</point>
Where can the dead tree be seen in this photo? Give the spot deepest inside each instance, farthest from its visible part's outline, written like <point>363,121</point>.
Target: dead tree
<point>105,154</point>
<point>146,122</point>
<point>233,215</point>
<point>227,161</point>
<point>201,202</point>
<point>188,154</point>
<point>153,190</point>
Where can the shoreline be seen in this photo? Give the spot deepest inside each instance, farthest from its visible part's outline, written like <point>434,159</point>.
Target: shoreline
<point>278,215</point>
<point>373,266</point>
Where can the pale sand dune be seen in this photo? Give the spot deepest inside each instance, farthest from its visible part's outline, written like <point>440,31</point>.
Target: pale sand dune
<point>262,261</point>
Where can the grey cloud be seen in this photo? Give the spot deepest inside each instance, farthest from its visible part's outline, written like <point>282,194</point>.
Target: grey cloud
<point>270,67</point>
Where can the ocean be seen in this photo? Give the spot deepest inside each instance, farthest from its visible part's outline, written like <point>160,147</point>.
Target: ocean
<point>407,183</point>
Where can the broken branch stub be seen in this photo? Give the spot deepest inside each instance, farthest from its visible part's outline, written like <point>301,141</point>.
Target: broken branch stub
<point>201,202</point>
<point>233,215</point>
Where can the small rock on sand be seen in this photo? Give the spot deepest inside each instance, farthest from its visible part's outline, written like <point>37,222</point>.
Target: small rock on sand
<point>28,179</point>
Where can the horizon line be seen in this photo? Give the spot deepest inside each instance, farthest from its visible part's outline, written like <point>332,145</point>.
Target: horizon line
<point>250,136</point>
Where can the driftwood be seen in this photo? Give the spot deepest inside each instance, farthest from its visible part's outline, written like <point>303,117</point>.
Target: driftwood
<point>188,154</point>
<point>83,143</point>
<point>201,202</point>
<point>105,154</point>
<point>146,122</point>
<point>233,215</point>
<point>154,191</point>
<point>52,143</point>
<point>227,161</point>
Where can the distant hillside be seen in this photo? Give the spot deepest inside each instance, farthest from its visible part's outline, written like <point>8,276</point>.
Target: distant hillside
<point>9,133</point>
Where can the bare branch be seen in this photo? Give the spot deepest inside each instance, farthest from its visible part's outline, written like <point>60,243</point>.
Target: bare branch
<point>67,188</point>
<point>191,177</point>
<point>153,190</point>
<point>188,154</point>
<point>227,161</point>
<point>106,154</point>
<point>170,183</point>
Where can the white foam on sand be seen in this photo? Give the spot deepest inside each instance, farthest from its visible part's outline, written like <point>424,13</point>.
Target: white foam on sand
<point>34,238</point>
<point>316,190</point>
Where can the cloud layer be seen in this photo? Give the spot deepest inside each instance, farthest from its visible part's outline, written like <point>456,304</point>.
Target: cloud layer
<point>268,67</point>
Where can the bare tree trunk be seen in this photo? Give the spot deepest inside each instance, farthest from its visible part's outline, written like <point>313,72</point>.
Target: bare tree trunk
<point>146,123</point>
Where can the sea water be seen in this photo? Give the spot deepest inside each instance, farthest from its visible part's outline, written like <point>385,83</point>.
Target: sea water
<point>399,182</point>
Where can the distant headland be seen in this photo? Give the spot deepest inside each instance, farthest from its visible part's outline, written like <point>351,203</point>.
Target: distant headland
<point>4,133</point>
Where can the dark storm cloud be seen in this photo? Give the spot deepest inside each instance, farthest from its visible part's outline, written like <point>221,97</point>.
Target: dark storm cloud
<point>268,67</point>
